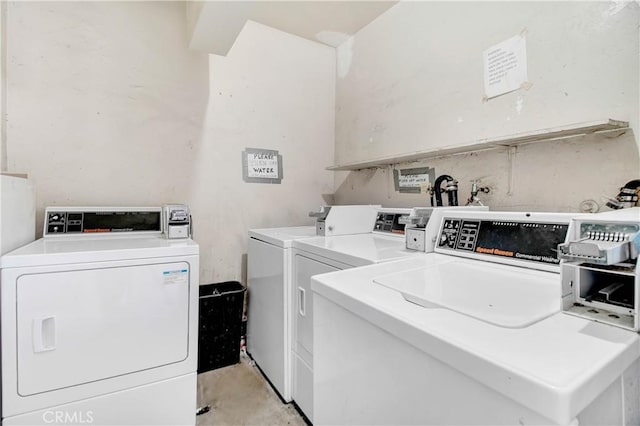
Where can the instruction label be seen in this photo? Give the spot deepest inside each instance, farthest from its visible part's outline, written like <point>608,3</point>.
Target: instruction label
<point>505,66</point>
<point>177,276</point>
<point>413,181</point>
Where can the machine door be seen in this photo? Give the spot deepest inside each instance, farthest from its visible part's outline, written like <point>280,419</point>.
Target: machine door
<point>75,327</point>
<point>305,268</point>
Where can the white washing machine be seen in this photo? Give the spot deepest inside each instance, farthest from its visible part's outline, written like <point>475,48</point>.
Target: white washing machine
<point>99,322</point>
<point>471,334</point>
<point>386,242</point>
<point>269,272</point>
<point>320,255</point>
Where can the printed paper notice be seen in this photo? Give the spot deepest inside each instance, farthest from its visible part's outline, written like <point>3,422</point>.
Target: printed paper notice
<point>262,165</point>
<point>413,181</point>
<point>505,66</point>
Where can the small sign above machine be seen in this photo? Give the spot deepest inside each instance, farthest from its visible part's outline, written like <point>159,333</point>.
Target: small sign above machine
<point>261,166</point>
<point>413,180</point>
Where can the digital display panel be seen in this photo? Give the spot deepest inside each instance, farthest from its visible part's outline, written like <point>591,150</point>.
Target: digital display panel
<point>537,242</point>
<point>120,221</point>
<point>528,241</point>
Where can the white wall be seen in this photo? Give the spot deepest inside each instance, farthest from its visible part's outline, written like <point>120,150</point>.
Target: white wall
<point>104,102</point>
<point>107,106</point>
<point>3,82</point>
<point>273,91</point>
<point>413,80</point>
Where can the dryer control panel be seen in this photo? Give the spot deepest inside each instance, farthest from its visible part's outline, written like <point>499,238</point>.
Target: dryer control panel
<point>94,220</point>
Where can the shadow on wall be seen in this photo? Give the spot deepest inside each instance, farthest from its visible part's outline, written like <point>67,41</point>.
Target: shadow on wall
<point>548,176</point>
<point>260,95</point>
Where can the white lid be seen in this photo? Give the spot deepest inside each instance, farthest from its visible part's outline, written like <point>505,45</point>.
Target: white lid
<point>358,249</point>
<point>500,295</point>
<point>283,237</point>
<point>58,251</point>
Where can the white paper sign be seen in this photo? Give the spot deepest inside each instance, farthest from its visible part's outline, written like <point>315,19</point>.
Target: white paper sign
<point>505,66</point>
<point>413,181</point>
<point>262,165</point>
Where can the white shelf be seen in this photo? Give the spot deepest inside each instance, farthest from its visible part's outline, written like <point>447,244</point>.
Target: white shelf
<point>483,144</point>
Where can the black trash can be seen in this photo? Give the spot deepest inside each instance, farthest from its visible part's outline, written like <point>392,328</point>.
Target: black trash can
<point>220,325</point>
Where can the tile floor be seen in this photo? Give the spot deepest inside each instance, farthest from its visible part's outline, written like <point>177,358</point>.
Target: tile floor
<point>239,395</point>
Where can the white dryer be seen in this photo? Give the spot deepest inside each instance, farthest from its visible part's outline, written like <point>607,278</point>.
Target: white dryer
<point>99,322</point>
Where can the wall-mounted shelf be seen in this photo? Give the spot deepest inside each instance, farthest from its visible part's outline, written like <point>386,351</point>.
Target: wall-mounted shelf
<point>483,144</point>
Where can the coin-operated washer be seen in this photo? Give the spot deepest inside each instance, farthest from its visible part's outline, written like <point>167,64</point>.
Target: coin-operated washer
<point>599,274</point>
<point>383,242</point>
<point>470,334</point>
<point>269,277</point>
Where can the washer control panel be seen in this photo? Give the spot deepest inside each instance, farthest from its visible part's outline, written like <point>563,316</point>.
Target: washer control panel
<point>522,240</point>
<point>458,234</point>
<point>390,222</point>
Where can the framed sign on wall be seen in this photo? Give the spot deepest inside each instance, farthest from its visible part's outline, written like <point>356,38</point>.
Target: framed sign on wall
<point>261,166</point>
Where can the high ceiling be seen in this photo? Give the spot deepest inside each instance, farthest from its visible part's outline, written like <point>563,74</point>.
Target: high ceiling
<point>215,25</point>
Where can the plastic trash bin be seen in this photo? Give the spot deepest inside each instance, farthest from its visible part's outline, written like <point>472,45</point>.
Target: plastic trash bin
<point>220,324</point>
